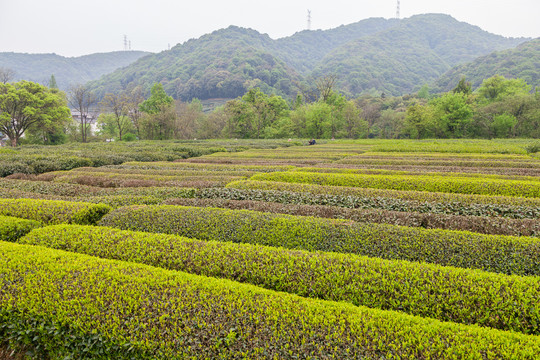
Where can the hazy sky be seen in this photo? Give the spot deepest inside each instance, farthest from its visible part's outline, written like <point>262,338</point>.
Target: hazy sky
<point>79,27</point>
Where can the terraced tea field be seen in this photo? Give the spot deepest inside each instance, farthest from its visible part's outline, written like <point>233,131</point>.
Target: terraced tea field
<point>346,250</point>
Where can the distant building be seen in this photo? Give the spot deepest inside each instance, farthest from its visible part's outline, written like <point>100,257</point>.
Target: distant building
<point>90,120</point>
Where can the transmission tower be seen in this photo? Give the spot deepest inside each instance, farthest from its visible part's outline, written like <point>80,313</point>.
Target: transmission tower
<point>129,45</point>
<point>397,10</point>
<point>309,19</point>
<point>125,43</point>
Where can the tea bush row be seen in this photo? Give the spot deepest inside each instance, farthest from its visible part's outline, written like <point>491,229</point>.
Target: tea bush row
<point>425,172</point>
<point>503,254</point>
<point>365,198</point>
<point>445,293</point>
<point>12,228</point>
<point>88,307</point>
<point>54,211</point>
<point>444,184</point>
<point>479,224</point>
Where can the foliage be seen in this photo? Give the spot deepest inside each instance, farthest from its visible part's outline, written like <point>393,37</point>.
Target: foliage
<point>12,229</point>
<point>504,254</point>
<point>444,293</point>
<point>25,104</point>
<point>520,62</point>
<point>193,318</point>
<point>463,185</point>
<point>53,212</point>
<point>67,70</point>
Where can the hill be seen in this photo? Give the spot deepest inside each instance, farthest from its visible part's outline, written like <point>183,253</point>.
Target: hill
<point>223,64</point>
<point>374,55</point>
<point>416,51</point>
<point>67,70</point>
<point>521,62</point>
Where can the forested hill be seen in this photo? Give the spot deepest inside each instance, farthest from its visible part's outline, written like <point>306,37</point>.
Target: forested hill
<point>222,64</point>
<point>66,70</point>
<point>373,55</point>
<point>305,49</point>
<point>522,62</point>
<point>416,51</point>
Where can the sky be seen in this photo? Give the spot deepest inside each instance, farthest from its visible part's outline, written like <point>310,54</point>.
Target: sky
<point>80,27</point>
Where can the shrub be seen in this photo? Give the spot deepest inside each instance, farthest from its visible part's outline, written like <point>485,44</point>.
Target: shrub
<point>445,184</point>
<point>395,200</point>
<point>54,211</point>
<point>11,228</point>
<point>445,293</point>
<point>504,254</point>
<point>88,307</point>
<point>480,224</point>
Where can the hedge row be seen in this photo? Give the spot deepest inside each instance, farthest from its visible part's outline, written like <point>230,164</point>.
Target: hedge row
<point>448,294</point>
<point>177,165</point>
<point>441,162</point>
<point>479,224</point>
<point>371,171</point>
<point>508,171</point>
<point>54,211</point>
<point>396,200</point>
<point>30,159</point>
<point>12,229</point>
<point>445,184</point>
<point>94,308</point>
<point>45,189</point>
<point>453,146</point>
<point>67,176</point>
<point>503,254</point>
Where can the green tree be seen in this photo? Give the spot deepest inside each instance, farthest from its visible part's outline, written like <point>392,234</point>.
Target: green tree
<point>52,82</point>
<point>503,125</point>
<point>25,104</point>
<point>498,87</point>
<point>354,126</point>
<point>452,115</point>
<point>463,87</point>
<point>157,101</point>
<point>318,120</point>
<point>419,121</point>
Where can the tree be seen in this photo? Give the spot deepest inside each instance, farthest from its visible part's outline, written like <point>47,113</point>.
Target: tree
<point>6,75</point>
<point>463,87</point>
<point>318,120</point>
<point>116,104</point>
<point>25,104</point>
<point>325,86</point>
<point>418,121</point>
<point>355,127</point>
<point>159,126</point>
<point>52,82</point>
<point>498,87</point>
<point>82,100</point>
<point>157,101</point>
<point>133,99</point>
<point>189,116</point>
<point>503,125</point>
<point>452,115</point>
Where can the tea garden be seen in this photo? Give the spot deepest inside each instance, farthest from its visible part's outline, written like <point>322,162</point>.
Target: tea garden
<point>226,249</point>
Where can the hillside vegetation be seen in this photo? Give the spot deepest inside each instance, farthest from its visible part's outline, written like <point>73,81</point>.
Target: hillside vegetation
<point>67,71</point>
<point>522,62</point>
<point>373,55</point>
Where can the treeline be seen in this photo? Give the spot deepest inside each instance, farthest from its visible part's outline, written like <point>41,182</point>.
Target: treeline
<point>499,108</point>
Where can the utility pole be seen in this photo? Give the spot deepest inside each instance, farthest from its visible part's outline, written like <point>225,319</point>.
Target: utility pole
<point>309,19</point>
